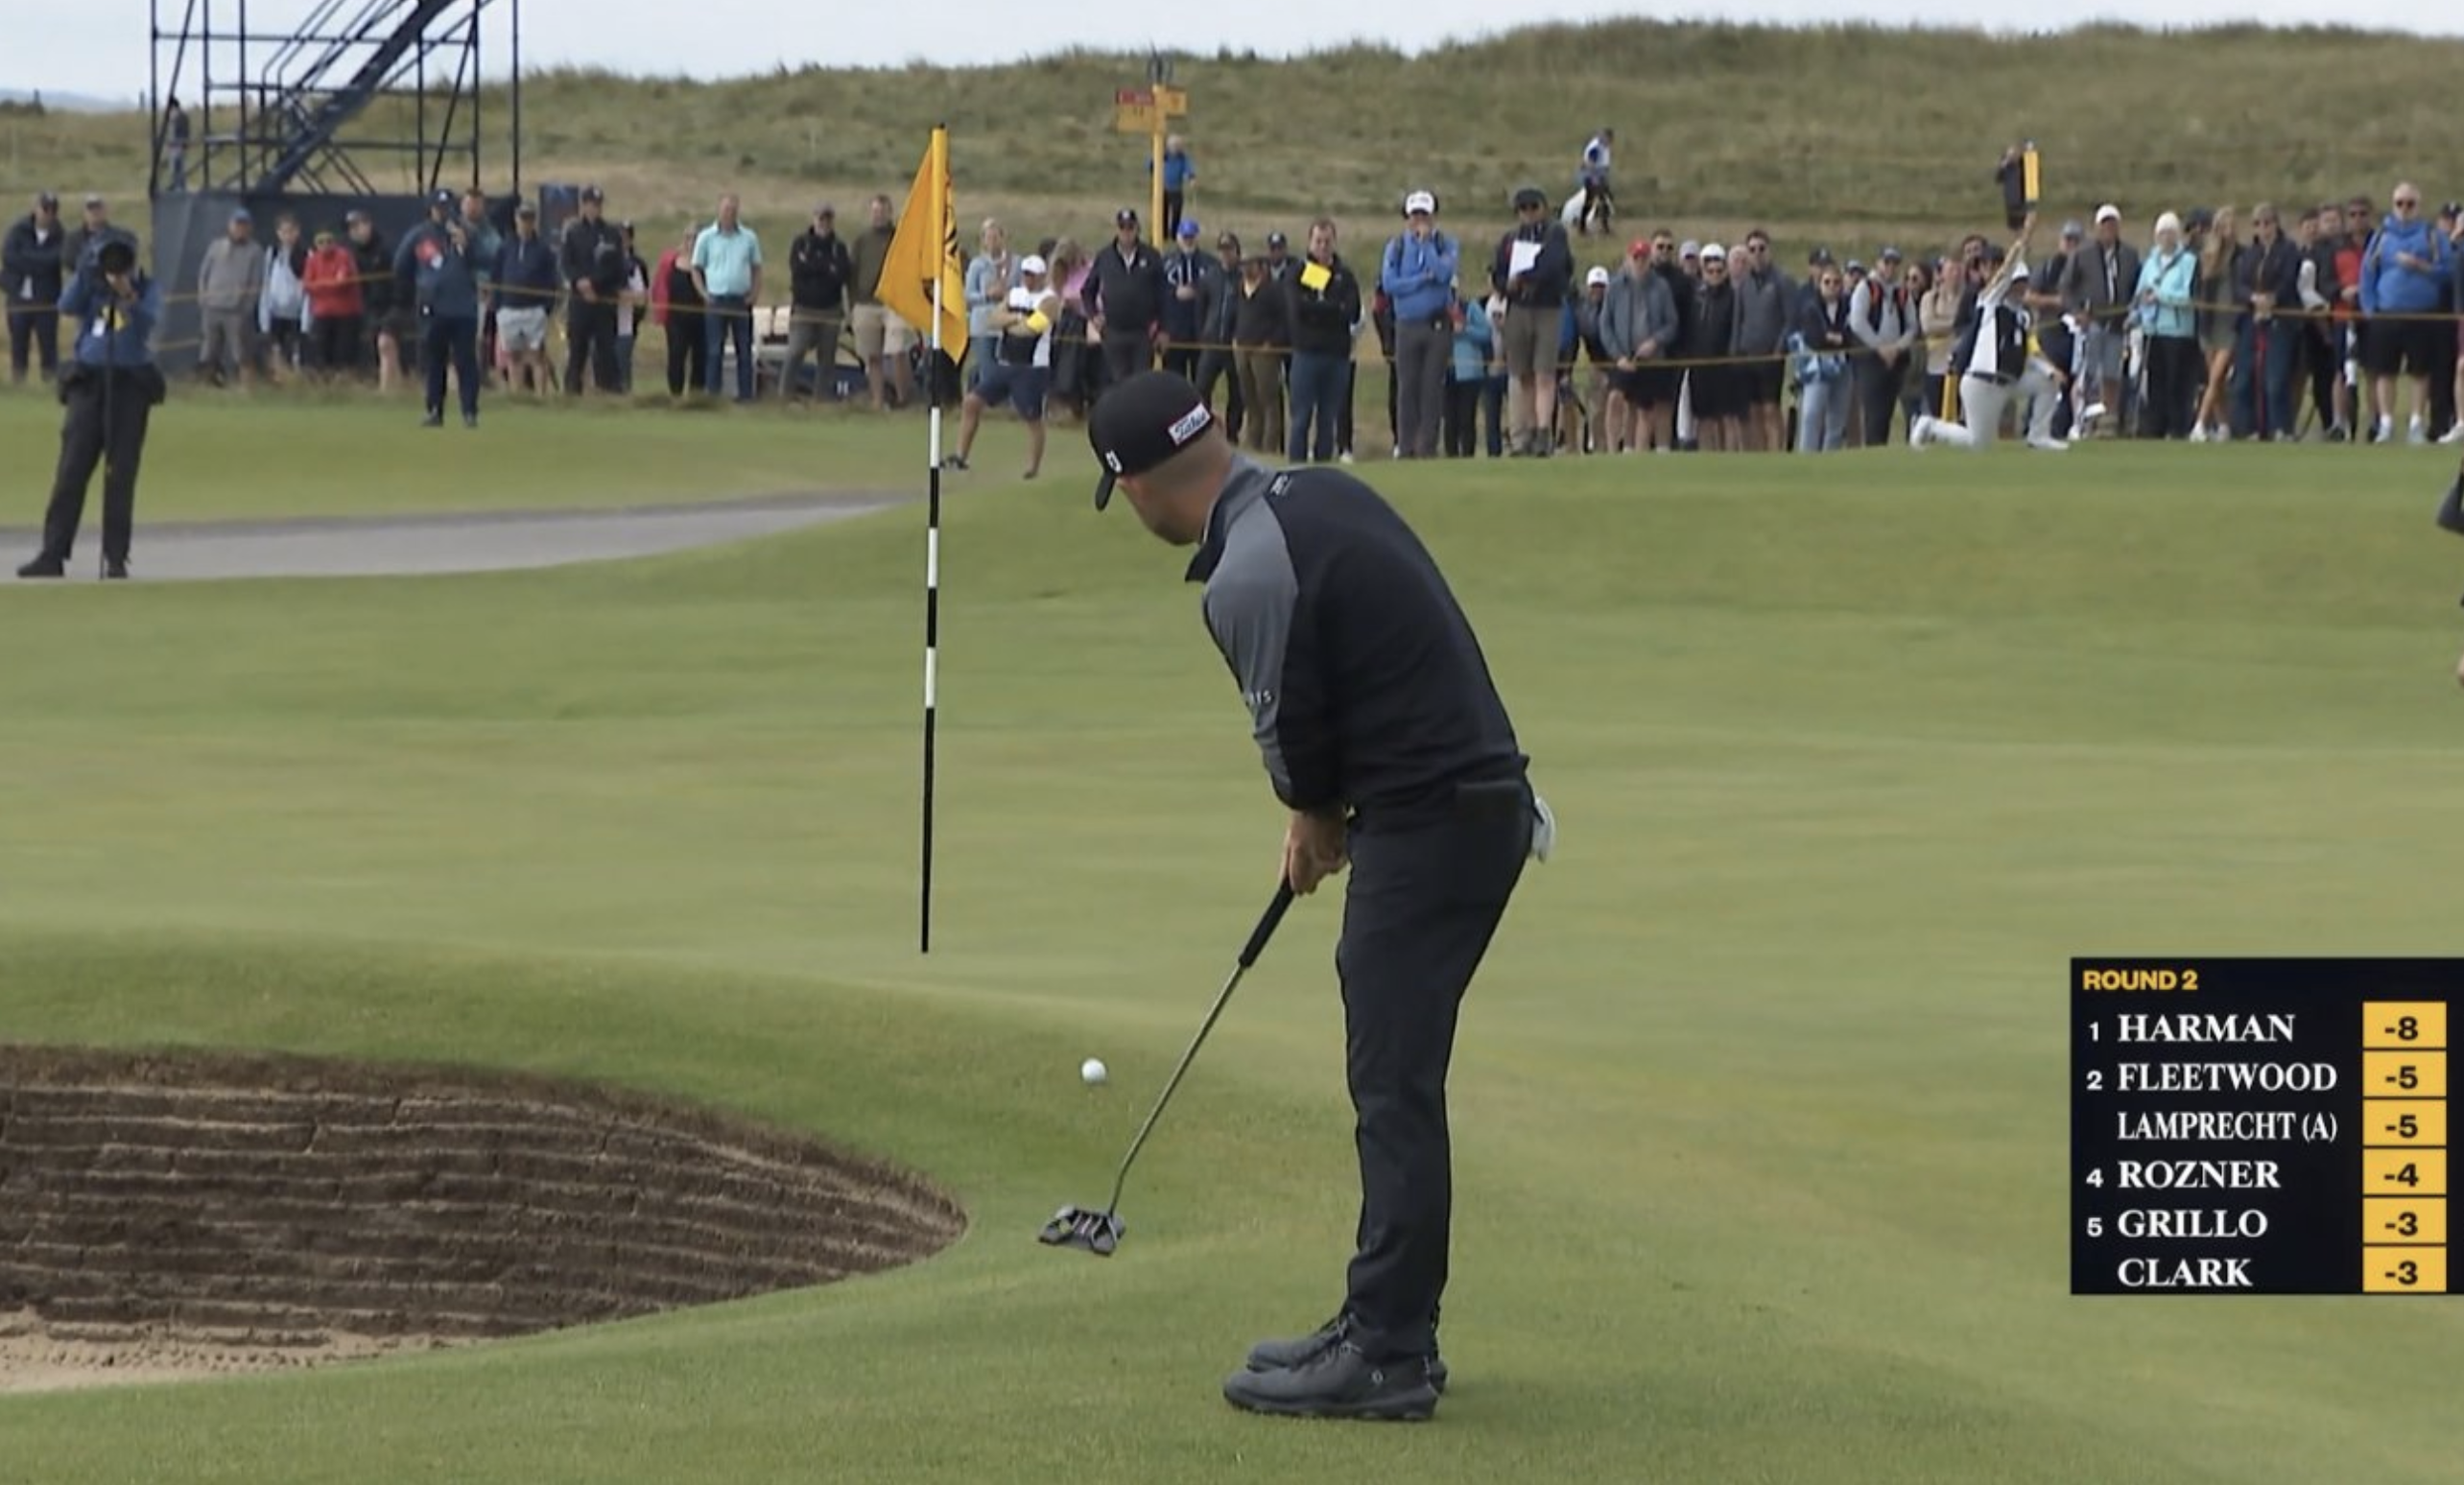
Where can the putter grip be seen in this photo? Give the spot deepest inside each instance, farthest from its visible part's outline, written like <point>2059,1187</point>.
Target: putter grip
<point>1266,929</point>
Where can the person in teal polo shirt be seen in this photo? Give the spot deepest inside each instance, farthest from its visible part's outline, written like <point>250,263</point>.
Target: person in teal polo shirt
<point>727,270</point>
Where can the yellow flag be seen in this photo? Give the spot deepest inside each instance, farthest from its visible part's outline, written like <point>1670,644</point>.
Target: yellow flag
<point>926,243</point>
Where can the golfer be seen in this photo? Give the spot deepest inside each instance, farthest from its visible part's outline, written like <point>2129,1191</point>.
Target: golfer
<point>110,388</point>
<point>1999,364</point>
<point>1383,733</point>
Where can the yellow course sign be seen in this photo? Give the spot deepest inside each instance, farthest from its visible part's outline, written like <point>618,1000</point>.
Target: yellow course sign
<point>1134,112</point>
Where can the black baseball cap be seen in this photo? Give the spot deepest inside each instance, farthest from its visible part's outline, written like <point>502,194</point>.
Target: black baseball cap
<point>1142,422</point>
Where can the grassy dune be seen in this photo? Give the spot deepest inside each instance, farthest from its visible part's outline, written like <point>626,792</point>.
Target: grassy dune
<point>1852,136</point>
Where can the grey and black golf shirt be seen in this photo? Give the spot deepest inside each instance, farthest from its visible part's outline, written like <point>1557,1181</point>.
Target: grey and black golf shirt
<point>1365,685</point>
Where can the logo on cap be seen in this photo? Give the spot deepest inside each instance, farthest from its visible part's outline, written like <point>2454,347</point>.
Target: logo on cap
<point>1191,424</point>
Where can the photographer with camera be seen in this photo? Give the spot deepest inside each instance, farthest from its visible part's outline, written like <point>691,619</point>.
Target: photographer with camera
<point>110,388</point>
<point>435,260</point>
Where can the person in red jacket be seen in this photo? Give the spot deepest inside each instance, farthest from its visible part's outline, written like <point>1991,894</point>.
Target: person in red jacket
<point>337,309</point>
<point>2346,312</point>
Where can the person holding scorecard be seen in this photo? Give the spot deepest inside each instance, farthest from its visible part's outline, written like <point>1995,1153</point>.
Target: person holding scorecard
<point>1534,269</point>
<point>1324,301</point>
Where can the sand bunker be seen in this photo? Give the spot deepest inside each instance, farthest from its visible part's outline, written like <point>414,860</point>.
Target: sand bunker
<point>177,1216</point>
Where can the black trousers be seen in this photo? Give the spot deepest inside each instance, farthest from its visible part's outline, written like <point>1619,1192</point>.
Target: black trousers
<point>1126,354</point>
<point>1422,905</point>
<point>1877,395</point>
<point>590,337</point>
<point>2174,364</point>
<point>1212,366</point>
<point>1462,418</point>
<point>32,333</point>
<point>2321,365</point>
<point>335,343</point>
<point>455,341</point>
<point>107,413</point>
<point>688,350</point>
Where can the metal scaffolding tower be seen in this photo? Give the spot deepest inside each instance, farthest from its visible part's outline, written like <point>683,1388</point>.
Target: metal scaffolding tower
<point>366,97</point>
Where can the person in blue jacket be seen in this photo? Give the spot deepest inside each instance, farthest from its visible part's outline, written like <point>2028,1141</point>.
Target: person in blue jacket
<point>110,388</point>
<point>1418,274</point>
<point>1469,386</point>
<point>1179,171</point>
<point>435,260</point>
<point>2403,272</point>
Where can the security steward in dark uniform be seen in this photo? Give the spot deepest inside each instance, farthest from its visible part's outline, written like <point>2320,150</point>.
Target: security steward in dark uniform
<point>1382,732</point>
<point>110,388</point>
<point>1123,299</point>
<point>595,262</point>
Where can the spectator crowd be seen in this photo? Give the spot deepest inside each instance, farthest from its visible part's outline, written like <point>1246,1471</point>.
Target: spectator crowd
<point>2323,322</point>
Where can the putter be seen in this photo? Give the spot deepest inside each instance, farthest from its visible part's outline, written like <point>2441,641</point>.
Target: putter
<point>1100,1232</point>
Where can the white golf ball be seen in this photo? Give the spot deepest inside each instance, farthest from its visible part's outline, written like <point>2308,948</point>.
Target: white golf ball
<point>1092,1070</point>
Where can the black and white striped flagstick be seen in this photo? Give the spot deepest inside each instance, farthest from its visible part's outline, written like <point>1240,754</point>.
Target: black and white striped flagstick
<point>933,540</point>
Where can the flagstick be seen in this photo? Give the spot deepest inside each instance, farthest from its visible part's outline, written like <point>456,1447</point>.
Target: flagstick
<point>932,575</point>
<point>931,611</point>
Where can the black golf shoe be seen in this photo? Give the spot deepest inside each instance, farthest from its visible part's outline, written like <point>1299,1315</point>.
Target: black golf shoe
<point>1276,1355</point>
<point>44,567</point>
<point>1338,1382</point>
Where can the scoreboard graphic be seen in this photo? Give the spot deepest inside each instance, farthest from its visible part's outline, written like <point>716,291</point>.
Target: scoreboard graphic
<point>2260,1126</point>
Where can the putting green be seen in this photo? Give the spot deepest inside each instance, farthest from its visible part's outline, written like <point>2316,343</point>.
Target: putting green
<point>1761,1107</point>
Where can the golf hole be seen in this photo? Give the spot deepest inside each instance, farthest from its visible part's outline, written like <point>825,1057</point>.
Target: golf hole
<point>172,1215</point>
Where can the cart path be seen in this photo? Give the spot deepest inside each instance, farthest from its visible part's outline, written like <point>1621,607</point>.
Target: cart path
<point>475,541</point>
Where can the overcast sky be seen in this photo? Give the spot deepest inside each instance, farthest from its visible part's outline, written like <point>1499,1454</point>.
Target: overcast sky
<point>101,47</point>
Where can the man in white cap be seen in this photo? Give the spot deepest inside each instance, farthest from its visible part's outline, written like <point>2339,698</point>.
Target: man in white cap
<point>1417,275</point>
<point>1998,362</point>
<point>2099,284</point>
<point>1604,405</point>
<point>1018,365</point>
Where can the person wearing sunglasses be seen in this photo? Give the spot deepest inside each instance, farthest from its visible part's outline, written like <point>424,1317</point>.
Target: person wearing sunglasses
<point>2402,270</point>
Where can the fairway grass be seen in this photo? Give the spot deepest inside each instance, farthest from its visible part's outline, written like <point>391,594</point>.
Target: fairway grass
<point>1759,1106</point>
<point>217,455</point>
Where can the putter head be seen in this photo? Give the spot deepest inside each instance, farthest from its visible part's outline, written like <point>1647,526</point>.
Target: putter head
<point>1075,1226</point>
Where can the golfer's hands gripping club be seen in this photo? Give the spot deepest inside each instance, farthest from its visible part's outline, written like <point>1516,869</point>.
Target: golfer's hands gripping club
<point>1313,848</point>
